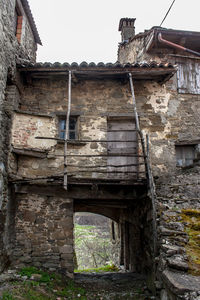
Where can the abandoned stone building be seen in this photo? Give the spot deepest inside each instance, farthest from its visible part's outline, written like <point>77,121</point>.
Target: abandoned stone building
<point>119,139</point>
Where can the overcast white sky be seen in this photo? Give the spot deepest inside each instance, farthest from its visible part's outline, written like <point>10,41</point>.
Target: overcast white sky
<point>87,30</point>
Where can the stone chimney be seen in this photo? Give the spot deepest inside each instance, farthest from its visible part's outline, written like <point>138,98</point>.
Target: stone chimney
<point>127,28</point>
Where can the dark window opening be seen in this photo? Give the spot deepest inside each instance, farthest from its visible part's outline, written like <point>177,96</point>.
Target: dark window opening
<point>72,128</point>
<point>185,155</point>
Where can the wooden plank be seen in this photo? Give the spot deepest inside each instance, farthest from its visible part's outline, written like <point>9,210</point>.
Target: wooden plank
<point>102,155</point>
<point>107,172</point>
<point>105,166</point>
<point>121,153</point>
<point>188,77</point>
<point>31,153</point>
<point>80,141</point>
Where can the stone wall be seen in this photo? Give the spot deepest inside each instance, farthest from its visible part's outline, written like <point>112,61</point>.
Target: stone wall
<point>171,118</point>
<point>92,100</point>
<point>43,233</point>
<point>11,53</point>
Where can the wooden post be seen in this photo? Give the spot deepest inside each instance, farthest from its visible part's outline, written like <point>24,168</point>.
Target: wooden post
<point>137,122</point>
<point>153,196</point>
<point>134,102</point>
<point>67,130</point>
<point>126,245</point>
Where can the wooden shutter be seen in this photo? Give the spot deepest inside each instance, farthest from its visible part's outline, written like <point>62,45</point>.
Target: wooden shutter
<point>188,76</point>
<point>122,131</point>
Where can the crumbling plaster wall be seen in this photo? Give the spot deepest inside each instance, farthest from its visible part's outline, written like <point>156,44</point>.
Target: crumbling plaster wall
<point>161,111</point>
<point>92,100</point>
<point>11,53</point>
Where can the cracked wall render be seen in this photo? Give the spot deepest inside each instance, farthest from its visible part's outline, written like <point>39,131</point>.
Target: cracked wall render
<point>161,113</point>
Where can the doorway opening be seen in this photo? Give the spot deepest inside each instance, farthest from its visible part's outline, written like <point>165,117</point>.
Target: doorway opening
<point>96,243</point>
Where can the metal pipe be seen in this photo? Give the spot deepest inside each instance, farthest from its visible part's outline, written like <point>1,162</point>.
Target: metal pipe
<point>179,47</point>
<point>67,130</point>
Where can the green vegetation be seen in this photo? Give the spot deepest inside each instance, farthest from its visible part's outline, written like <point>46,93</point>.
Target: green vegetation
<point>191,219</point>
<point>30,271</point>
<point>41,285</point>
<point>108,268</point>
<point>94,247</point>
<point>7,296</point>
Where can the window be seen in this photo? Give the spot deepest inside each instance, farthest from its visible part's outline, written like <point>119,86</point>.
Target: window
<point>72,128</point>
<point>188,76</point>
<point>185,155</point>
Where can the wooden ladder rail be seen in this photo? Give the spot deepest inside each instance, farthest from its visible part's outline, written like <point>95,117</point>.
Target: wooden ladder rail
<point>67,130</point>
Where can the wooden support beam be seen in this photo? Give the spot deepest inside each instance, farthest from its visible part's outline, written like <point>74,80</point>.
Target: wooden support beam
<point>84,141</point>
<point>134,102</point>
<point>107,172</point>
<point>105,166</point>
<point>85,192</point>
<point>32,153</point>
<point>103,155</point>
<point>67,130</point>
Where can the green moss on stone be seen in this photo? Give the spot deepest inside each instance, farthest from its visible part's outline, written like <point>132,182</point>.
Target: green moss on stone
<point>191,219</point>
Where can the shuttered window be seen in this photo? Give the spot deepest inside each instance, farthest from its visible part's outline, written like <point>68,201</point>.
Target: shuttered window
<point>185,155</point>
<point>188,76</point>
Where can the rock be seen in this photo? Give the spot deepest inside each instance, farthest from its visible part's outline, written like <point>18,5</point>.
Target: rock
<point>36,277</point>
<point>66,249</point>
<point>180,283</point>
<point>163,295</point>
<point>168,232</point>
<point>177,264</point>
<point>169,249</point>
<point>158,285</point>
<point>24,277</point>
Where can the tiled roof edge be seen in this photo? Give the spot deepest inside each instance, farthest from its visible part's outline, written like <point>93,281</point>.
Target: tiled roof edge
<point>92,65</point>
<point>28,12</point>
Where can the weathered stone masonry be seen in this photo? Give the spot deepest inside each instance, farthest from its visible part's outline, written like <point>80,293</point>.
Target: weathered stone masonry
<point>41,161</point>
<point>12,52</point>
<point>44,232</point>
<point>37,221</point>
<point>177,123</point>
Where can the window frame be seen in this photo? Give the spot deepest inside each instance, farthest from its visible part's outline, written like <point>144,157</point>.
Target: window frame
<point>184,156</point>
<point>62,130</point>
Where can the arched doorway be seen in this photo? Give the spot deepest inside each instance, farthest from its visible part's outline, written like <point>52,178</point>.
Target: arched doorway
<point>96,242</point>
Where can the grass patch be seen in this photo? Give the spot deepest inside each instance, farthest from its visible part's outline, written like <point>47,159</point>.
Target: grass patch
<point>7,296</point>
<point>31,271</point>
<point>43,286</point>
<point>108,268</point>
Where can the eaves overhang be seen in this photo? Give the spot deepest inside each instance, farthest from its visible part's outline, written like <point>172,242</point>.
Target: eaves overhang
<point>187,39</point>
<point>139,71</point>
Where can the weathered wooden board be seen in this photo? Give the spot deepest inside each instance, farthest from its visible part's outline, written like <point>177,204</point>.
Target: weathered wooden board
<point>122,131</point>
<point>188,76</point>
